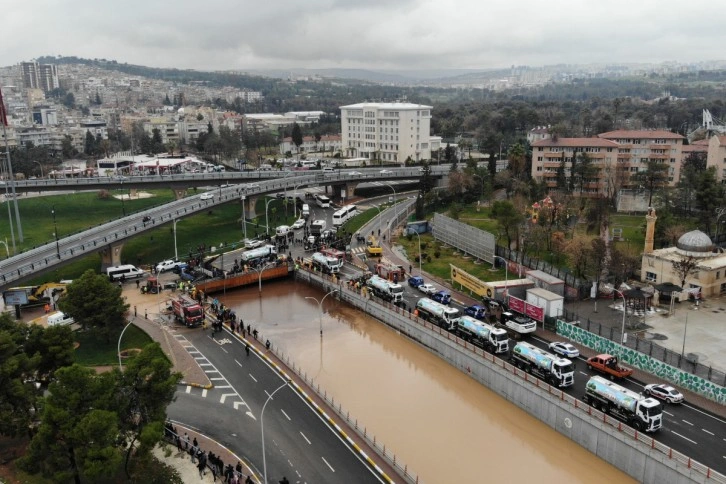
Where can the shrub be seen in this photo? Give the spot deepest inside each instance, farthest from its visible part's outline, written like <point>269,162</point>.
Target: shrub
<point>104,194</point>
<point>437,254</point>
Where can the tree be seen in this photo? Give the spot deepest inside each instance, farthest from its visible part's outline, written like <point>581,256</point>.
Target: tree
<point>583,172</point>
<point>297,137</point>
<point>145,388</point>
<point>709,196</point>
<point>78,433</point>
<point>654,177</point>
<point>517,157</point>
<point>508,219</point>
<point>90,147</point>
<point>577,254</point>
<point>167,101</point>
<point>94,302</point>
<point>67,149</point>
<point>684,267</point>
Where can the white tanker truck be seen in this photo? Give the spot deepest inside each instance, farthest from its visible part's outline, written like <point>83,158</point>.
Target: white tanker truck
<point>550,368</point>
<point>483,335</point>
<point>640,412</point>
<point>385,289</point>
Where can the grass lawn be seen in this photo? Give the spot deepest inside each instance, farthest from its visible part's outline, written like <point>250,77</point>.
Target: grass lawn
<point>439,266</point>
<point>95,351</point>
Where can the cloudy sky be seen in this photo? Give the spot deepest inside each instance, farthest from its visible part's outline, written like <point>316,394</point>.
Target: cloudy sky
<point>373,34</point>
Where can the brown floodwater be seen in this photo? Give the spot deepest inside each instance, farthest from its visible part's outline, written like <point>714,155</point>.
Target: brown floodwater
<point>444,425</point>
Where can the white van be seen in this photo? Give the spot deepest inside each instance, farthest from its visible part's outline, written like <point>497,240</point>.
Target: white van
<point>59,318</point>
<point>282,231</point>
<point>124,272</point>
<point>306,210</point>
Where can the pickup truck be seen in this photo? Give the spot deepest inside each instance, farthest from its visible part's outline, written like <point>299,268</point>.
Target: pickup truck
<point>608,365</point>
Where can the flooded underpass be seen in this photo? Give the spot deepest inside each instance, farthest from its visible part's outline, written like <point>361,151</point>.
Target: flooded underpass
<point>444,425</point>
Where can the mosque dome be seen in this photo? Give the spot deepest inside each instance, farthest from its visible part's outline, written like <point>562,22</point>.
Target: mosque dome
<point>695,241</point>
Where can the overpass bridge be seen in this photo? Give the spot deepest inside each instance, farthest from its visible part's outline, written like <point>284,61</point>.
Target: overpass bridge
<point>108,239</point>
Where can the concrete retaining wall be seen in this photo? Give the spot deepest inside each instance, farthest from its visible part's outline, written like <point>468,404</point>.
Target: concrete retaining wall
<point>636,454</point>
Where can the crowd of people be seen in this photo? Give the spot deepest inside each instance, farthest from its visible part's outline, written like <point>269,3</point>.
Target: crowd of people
<point>205,461</point>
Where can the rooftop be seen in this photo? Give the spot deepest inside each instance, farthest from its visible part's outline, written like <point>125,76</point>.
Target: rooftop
<point>640,134</point>
<point>576,142</point>
<point>394,106</point>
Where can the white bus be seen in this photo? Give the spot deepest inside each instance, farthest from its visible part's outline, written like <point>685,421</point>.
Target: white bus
<point>322,201</point>
<point>343,215</point>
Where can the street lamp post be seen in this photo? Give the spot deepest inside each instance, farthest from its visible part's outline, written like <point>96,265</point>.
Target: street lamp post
<point>320,309</point>
<point>120,367</point>
<point>683,350</point>
<point>623,337</point>
<point>506,275</point>
<point>55,232</point>
<point>419,252</point>
<point>262,426</point>
<point>123,206</point>
<point>176,254</point>
<point>395,208</point>
<point>267,221</point>
<point>244,217</point>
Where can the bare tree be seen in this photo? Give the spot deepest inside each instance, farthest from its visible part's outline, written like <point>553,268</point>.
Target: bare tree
<point>684,268</point>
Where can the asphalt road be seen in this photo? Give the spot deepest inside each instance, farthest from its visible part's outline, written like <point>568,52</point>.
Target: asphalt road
<point>298,443</point>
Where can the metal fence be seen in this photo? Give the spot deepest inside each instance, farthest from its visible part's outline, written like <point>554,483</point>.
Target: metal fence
<point>647,347</point>
<point>470,240</point>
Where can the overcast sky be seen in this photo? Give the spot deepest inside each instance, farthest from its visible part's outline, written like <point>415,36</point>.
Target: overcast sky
<point>372,34</point>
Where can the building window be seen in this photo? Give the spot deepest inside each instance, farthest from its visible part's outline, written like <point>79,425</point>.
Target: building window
<point>651,276</point>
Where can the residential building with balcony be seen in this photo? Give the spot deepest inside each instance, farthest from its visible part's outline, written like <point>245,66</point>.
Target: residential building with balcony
<point>387,132</point>
<point>717,156</point>
<point>549,154</point>
<point>327,143</point>
<point>637,147</point>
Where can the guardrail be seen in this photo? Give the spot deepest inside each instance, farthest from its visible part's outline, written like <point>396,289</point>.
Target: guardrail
<point>356,299</point>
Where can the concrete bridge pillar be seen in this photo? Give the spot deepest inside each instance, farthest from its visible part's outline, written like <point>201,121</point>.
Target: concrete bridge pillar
<point>180,193</point>
<point>249,207</point>
<point>111,255</point>
<point>344,191</point>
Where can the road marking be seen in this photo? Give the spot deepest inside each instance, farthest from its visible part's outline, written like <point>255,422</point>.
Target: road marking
<point>286,415</point>
<point>189,390</point>
<point>328,464</point>
<point>240,364</point>
<point>669,414</point>
<point>709,433</point>
<point>689,423</point>
<point>224,397</point>
<point>255,379</point>
<point>204,393</point>
<point>583,373</point>
<point>306,439</point>
<point>685,438</point>
<point>217,378</point>
<point>268,395</point>
<point>704,413</point>
<point>223,386</point>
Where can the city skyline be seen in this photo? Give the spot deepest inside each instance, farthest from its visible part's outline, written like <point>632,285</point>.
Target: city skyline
<point>375,35</point>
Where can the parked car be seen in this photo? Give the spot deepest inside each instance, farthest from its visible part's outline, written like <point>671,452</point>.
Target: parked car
<point>414,281</point>
<point>564,349</point>
<point>167,265</point>
<point>427,288</point>
<point>207,196</point>
<point>299,223</point>
<point>253,243</point>
<point>664,392</point>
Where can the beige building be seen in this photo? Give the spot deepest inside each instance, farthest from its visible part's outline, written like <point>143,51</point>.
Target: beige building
<point>709,275</point>
<point>637,147</point>
<point>389,132</point>
<point>548,155</point>
<point>717,156</point>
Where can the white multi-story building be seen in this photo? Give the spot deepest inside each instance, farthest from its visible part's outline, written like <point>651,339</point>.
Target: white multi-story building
<point>386,132</point>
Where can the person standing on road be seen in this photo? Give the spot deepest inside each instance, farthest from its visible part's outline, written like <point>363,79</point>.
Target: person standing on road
<point>247,349</point>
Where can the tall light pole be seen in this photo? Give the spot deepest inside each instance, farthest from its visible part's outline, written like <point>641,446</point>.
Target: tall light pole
<point>294,198</point>
<point>267,221</point>
<point>123,207</point>
<point>120,367</point>
<point>506,275</point>
<point>320,308</point>
<point>420,273</point>
<point>244,217</point>
<point>395,208</point>
<point>259,275</point>
<point>176,254</point>
<point>262,426</point>
<point>55,232</point>
<point>624,337</point>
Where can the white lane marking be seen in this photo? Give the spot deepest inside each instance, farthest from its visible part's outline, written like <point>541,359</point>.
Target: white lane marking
<point>704,413</point>
<point>583,373</point>
<point>268,395</point>
<point>204,393</point>
<point>668,413</point>
<point>685,438</point>
<point>327,463</point>
<point>224,350</point>
<point>709,433</point>
<point>689,423</point>
<point>255,379</point>
<point>240,364</point>
<point>217,378</point>
<point>286,415</point>
<point>306,439</point>
<point>189,389</point>
<point>223,386</point>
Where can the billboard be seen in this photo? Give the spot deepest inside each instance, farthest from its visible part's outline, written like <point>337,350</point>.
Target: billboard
<point>470,282</point>
<point>523,307</point>
<point>15,297</point>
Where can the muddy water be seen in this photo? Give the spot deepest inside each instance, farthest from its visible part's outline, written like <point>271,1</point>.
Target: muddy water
<point>444,425</point>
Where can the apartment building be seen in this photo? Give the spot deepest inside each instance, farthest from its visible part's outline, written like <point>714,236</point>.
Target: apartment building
<point>328,142</point>
<point>39,76</point>
<point>389,132</point>
<point>717,156</point>
<point>637,147</point>
<point>548,155</point>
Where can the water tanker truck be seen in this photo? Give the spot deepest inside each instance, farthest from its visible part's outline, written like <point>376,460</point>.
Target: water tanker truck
<point>546,366</point>
<point>437,313</point>
<point>483,335</point>
<point>640,412</point>
<point>267,252</point>
<point>326,264</point>
<point>389,291</point>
